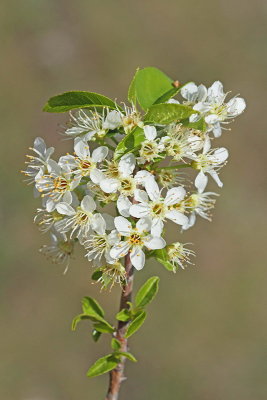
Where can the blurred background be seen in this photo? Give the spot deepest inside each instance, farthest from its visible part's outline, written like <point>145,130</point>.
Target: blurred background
<point>206,334</point>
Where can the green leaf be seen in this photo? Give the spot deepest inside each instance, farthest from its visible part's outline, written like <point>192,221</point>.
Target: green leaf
<point>115,344</point>
<point>130,142</point>
<point>162,257</point>
<point>103,365</point>
<point>104,327</point>
<point>124,315</point>
<point>132,89</point>
<point>136,324</point>
<point>199,125</point>
<point>147,292</point>
<point>128,355</point>
<point>167,113</point>
<point>90,305</point>
<point>96,335</point>
<point>167,96</point>
<point>77,319</point>
<point>77,99</point>
<point>97,274</point>
<point>148,85</point>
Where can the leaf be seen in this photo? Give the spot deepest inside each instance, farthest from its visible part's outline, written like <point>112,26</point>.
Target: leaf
<point>162,257</point>
<point>167,96</point>
<point>90,305</point>
<point>97,274</point>
<point>167,113</point>
<point>128,355</point>
<point>136,324</point>
<point>148,85</point>
<point>103,365</point>
<point>115,344</point>
<point>199,125</point>
<point>130,142</point>
<point>77,99</point>
<point>147,292</point>
<point>104,327</point>
<point>124,315</point>
<point>96,335</point>
<point>132,89</point>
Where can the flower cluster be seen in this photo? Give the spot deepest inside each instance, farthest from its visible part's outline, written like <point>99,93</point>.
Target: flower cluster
<point>143,181</point>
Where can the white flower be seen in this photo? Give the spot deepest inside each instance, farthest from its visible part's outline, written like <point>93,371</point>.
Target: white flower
<point>81,220</point>
<point>84,164</point>
<point>151,147</point>
<point>39,161</point>
<point>209,161</point>
<point>131,119</point>
<point>211,105</point>
<point>179,255</point>
<point>60,250</point>
<point>157,209</point>
<point>135,239</point>
<point>113,120</point>
<point>193,93</point>
<point>56,185</point>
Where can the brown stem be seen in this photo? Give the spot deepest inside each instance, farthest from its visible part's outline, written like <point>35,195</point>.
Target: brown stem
<point>116,375</point>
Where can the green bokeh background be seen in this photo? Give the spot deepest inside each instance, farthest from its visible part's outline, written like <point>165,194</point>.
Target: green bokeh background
<point>206,334</point>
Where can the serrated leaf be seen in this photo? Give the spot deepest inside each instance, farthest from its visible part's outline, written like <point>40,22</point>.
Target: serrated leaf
<point>147,292</point>
<point>148,85</point>
<point>128,355</point>
<point>124,315</point>
<point>103,365</point>
<point>104,327</point>
<point>96,335</point>
<point>90,305</point>
<point>77,99</point>
<point>115,344</point>
<point>167,113</point>
<point>131,142</point>
<point>136,324</point>
<point>162,257</point>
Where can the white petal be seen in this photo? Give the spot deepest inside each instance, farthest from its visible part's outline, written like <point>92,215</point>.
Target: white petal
<point>173,101</point>
<point>123,205</point>
<point>141,196</point>
<point>177,217</point>
<point>144,224</point>
<point>65,209</point>
<point>236,106</point>
<point>215,176</point>
<point>207,145</point>
<point>152,189</point>
<point>221,154</point>
<point>139,210</point>
<point>67,198</point>
<point>141,176</point>
<point>109,185</point>
<point>112,120</point>
<point>157,227</point>
<point>150,132</point>
<point>155,243</point>
<point>81,148</point>
<point>194,117</point>
<point>99,154</point>
<point>109,220</point>
<point>50,205</point>
<point>120,250</point>
<point>99,224</point>
<point>190,91</point>
<point>75,182</point>
<point>217,130</point>
<point>212,119</point>
<point>123,226</point>
<point>201,182</point>
<point>138,258</point>
<point>191,221</point>
<point>215,93</point>
<point>127,164</point>
<point>202,107</point>
<point>39,145</point>
<point>174,195</point>
<point>96,176</point>
<point>202,93</point>
<point>88,204</point>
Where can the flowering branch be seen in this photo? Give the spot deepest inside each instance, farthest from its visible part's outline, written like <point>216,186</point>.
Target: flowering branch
<point>78,191</point>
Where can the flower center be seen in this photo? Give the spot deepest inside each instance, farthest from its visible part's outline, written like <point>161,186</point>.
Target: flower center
<point>135,239</point>
<point>60,184</point>
<point>127,186</point>
<point>86,166</point>
<point>82,218</point>
<point>158,209</point>
<point>111,170</point>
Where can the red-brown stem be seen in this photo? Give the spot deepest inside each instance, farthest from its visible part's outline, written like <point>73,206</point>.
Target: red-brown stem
<point>116,375</point>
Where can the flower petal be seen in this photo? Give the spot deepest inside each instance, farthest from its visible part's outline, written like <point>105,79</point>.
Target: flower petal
<point>150,132</point>
<point>96,176</point>
<point>99,154</point>
<point>152,189</point>
<point>123,226</point>
<point>99,224</point>
<point>236,106</point>
<point>177,217</point>
<point>138,258</point>
<point>120,250</point>
<point>127,164</point>
<point>109,185</point>
<point>144,224</point>
<point>190,91</point>
<point>123,205</point>
<point>174,195</point>
<point>65,209</point>
<point>157,227</point>
<point>141,176</point>
<point>88,204</point>
<point>141,196</point>
<point>81,148</point>
<point>155,243</point>
<point>139,210</point>
<point>201,182</point>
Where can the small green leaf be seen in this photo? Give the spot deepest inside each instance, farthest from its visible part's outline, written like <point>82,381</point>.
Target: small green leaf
<point>90,305</point>
<point>148,85</point>
<point>167,113</point>
<point>132,89</point>
<point>115,344</point>
<point>162,257</point>
<point>103,365</point>
<point>130,142</point>
<point>124,315</point>
<point>77,99</point>
<point>128,355</point>
<point>147,292</point>
<point>97,274</point>
<point>96,335</point>
<point>199,125</point>
<point>167,96</point>
<point>104,327</point>
<point>136,324</point>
